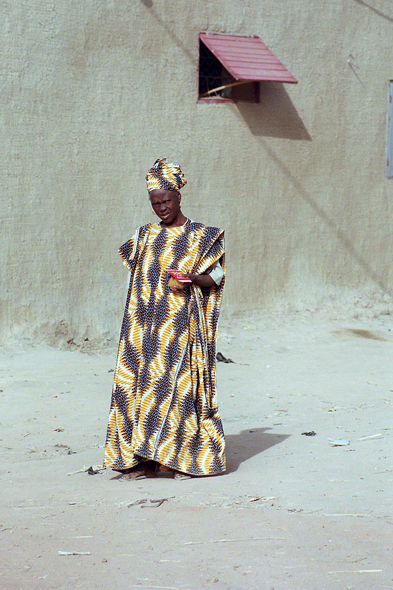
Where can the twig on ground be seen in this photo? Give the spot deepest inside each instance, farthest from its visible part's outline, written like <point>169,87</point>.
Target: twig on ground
<point>236,540</point>
<point>355,572</point>
<point>157,503</point>
<point>349,514</point>
<point>74,552</point>
<point>371,436</point>
<point>137,502</point>
<point>92,470</point>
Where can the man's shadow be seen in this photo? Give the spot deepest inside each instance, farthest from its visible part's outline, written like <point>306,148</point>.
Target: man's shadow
<point>247,444</point>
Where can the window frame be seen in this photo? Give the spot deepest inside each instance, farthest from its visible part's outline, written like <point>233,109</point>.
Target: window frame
<point>222,99</point>
<point>389,140</point>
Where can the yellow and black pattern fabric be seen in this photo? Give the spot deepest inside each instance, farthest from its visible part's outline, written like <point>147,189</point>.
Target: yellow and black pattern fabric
<point>165,176</point>
<point>164,405</point>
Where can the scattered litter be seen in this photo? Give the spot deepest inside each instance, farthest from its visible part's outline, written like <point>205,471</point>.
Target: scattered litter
<point>349,514</point>
<point>66,448</point>
<point>104,560</point>
<point>157,503</point>
<point>94,470</point>
<point>338,442</point>
<point>137,503</point>
<point>74,552</point>
<point>263,498</point>
<point>155,587</point>
<point>59,430</point>
<point>222,359</point>
<point>311,433</point>
<point>169,560</point>
<point>111,371</point>
<point>371,436</point>
<point>236,540</point>
<point>355,572</point>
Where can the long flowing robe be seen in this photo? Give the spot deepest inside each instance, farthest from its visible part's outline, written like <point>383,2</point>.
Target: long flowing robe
<point>164,405</point>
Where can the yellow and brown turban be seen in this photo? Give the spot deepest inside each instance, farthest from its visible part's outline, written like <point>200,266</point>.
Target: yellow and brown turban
<point>165,176</point>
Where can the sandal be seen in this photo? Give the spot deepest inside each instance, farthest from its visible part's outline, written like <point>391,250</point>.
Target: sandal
<point>163,471</point>
<point>136,474</point>
<point>180,475</point>
<point>141,471</point>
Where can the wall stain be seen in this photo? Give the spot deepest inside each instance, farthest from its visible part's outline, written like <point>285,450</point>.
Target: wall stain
<point>375,10</point>
<point>359,333</point>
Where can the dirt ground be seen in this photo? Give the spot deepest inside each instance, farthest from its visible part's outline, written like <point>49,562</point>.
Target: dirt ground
<point>292,512</point>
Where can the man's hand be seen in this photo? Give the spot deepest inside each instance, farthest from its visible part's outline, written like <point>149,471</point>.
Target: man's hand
<point>176,285</point>
<point>203,280</point>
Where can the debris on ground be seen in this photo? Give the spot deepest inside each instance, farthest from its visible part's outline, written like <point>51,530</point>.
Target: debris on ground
<point>371,436</point>
<point>143,503</point>
<point>137,503</point>
<point>74,552</point>
<point>157,503</point>
<point>94,470</point>
<point>223,359</point>
<point>338,442</point>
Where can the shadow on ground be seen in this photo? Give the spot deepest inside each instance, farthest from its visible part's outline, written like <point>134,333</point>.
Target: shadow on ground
<point>247,444</point>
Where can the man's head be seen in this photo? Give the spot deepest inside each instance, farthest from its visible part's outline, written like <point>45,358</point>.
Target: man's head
<point>165,176</point>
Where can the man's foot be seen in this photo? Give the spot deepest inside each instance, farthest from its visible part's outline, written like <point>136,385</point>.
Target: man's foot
<point>180,475</point>
<point>140,471</point>
<point>139,474</point>
<point>163,470</point>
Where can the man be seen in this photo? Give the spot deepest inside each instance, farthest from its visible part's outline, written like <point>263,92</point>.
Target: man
<point>164,407</point>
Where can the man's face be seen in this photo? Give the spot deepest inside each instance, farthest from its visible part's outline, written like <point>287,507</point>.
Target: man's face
<point>166,204</point>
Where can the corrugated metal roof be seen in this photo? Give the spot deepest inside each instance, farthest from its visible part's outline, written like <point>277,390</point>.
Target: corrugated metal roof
<point>247,58</point>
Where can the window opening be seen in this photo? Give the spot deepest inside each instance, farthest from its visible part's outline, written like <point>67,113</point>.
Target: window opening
<point>389,146</point>
<point>218,85</point>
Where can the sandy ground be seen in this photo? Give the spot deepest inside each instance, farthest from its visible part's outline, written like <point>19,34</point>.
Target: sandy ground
<point>292,511</point>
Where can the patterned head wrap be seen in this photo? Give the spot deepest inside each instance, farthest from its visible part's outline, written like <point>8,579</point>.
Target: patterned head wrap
<point>165,176</point>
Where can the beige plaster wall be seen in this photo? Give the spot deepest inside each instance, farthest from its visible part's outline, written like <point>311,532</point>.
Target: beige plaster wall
<point>94,91</point>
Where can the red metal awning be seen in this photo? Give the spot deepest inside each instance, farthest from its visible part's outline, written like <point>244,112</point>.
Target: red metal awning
<point>247,58</point>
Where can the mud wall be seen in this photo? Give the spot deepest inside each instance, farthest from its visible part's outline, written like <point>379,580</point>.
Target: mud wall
<point>94,91</point>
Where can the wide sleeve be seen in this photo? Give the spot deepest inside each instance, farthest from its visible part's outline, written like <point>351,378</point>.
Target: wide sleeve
<point>128,250</point>
<point>216,272</point>
<point>210,245</point>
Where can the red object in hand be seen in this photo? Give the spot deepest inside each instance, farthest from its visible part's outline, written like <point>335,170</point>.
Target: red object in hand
<point>177,274</point>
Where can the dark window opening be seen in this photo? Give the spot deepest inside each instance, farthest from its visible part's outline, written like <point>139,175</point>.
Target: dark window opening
<point>389,146</point>
<point>217,84</point>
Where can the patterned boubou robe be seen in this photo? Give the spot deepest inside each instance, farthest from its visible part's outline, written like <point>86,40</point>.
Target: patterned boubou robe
<point>164,405</point>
